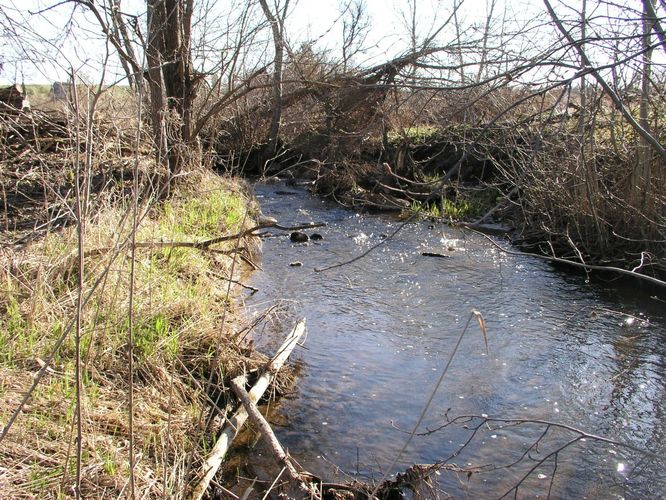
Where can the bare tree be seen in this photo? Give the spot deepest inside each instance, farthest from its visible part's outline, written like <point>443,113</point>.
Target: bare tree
<point>643,169</point>
<point>276,19</point>
<point>355,26</point>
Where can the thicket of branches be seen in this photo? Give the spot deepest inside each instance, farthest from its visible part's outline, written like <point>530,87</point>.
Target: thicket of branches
<point>562,109</point>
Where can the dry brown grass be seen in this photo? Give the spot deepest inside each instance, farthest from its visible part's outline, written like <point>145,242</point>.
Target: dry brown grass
<point>185,330</point>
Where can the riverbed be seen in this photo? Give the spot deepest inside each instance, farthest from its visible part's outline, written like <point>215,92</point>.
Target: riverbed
<point>561,349</point>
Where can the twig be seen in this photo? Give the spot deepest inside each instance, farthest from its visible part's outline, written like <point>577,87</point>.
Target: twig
<point>570,428</point>
<point>80,220</point>
<point>234,281</point>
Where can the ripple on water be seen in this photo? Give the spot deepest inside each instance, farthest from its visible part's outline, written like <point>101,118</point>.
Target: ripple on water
<point>381,329</point>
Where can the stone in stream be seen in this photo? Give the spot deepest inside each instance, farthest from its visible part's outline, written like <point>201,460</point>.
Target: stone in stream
<point>265,220</point>
<point>296,264</point>
<point>316,237</point>
<point>434,254</point>
<point>298,237</point>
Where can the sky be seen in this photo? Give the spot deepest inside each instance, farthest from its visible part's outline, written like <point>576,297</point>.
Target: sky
<point>36,48</point>
<point>46,54</point>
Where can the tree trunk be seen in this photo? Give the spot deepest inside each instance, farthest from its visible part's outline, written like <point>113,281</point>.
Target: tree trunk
<point>643,172</point>
<point>154,49</point>
<point>277,26</point>
<point>172,83</point>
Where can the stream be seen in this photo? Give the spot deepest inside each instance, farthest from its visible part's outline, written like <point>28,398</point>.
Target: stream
<point>381,329</point>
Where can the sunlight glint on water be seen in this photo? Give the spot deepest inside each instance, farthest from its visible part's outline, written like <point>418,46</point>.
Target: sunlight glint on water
<point>381,329</point>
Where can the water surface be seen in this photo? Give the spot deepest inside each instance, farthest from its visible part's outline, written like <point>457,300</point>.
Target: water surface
<point>381,329</point>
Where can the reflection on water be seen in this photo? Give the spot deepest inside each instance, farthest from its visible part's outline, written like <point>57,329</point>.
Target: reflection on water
<point>381,329</point>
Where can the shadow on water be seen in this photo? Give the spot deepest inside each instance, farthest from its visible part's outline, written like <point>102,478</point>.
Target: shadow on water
<point>381,329</point>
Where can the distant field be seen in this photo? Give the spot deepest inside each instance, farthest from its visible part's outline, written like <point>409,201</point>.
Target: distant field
<point>41,97</point>
<point>37,89</point>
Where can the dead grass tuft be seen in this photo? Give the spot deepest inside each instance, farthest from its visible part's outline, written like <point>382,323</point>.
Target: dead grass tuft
<point>184,333</point>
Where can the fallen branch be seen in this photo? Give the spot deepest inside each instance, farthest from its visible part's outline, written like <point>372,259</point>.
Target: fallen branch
<point>234,281</point>
<point>359,257</point>
<point>201,244</point>
<point>238,386</point>
<point>227,237</point>
<point>230,431</point>
<point>619,270</point>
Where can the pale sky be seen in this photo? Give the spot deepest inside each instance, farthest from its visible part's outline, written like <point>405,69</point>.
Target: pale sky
<point>35,48</point>
<point>84,50</point>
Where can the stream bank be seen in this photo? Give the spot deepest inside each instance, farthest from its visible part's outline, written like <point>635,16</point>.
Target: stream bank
<point>173,299</point>
<point>500,174</point>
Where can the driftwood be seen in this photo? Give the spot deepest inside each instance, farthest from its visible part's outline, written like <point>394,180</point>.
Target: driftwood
<point>304,486</point>
<point>233,426</point>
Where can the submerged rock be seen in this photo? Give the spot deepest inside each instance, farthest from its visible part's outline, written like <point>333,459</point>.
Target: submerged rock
<point>434,254</point>
<point>298,237</point>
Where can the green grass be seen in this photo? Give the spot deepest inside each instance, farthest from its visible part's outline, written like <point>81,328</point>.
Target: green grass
<point>153,335</point>
<point>468,205</point>
<point>417,133</point>
<point>175,296</point>
<point>203,217</point>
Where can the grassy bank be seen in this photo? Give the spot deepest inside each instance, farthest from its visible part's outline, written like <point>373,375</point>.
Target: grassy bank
<point>184,334</point>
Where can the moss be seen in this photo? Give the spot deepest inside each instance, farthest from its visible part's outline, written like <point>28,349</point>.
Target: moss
<point>415,134</point>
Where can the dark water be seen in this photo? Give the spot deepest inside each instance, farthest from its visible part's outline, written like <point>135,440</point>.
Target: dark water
<point>380,331</point>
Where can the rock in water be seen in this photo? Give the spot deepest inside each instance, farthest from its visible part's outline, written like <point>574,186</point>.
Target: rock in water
<point>265,220</point>
<point>316,237</point>
<point>298,237</point>
<point>434,254</point>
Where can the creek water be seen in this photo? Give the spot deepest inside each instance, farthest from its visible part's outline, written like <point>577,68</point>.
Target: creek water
<point>381,329</point>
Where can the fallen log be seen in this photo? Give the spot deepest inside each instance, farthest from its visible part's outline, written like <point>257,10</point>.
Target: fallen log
<point>233,426</point>
<point>305,487</point>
